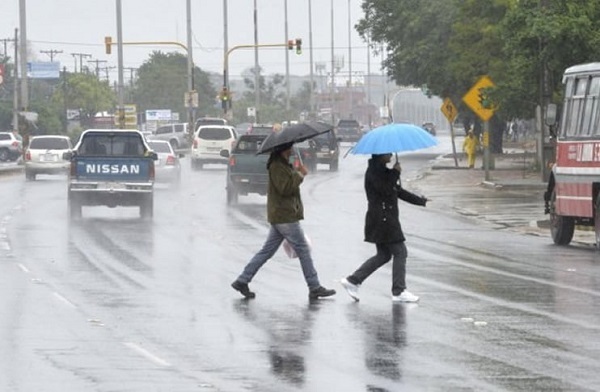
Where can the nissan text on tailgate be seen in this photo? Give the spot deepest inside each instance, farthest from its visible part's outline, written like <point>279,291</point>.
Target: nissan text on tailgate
<point>111,167</point>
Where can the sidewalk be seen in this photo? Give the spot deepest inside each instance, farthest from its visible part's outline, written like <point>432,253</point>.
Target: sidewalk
<point>511,199</point>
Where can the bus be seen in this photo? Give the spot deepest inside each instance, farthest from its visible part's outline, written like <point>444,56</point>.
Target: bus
<point>572,197</point>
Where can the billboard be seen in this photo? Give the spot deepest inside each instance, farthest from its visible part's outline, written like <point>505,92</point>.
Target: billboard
<point>43,70</point>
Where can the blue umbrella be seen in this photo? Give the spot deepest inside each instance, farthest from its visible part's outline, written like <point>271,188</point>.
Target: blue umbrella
<point>393,138</point>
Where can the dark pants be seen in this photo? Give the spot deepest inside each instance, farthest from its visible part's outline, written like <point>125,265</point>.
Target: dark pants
<point>385,252</point>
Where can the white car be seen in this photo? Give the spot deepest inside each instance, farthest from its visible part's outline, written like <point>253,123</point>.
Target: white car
<point>167,167</point>
<point>44,155</point>
<point>209,141</point>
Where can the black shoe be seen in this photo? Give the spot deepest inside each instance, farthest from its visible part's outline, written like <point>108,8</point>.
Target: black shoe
<point>243,288</point>
<point>320,292</point>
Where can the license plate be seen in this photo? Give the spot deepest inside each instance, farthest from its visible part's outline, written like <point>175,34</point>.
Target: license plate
<point>111,185</point>
<point>213,148</point>
<point>48,158</point>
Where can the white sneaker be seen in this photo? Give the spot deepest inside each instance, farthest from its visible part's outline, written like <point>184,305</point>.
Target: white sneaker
<point>351,288</point>
<point>405,296</point>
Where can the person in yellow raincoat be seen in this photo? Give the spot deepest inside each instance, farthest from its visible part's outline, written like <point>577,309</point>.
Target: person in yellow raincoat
<point>470,146</point>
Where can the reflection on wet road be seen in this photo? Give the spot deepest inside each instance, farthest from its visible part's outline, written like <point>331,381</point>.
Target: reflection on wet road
<point>112,302</point>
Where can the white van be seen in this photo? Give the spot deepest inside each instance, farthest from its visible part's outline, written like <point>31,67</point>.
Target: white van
<point>209,141</point>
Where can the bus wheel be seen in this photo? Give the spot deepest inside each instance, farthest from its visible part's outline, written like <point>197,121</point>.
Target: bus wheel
<point>561,227</point>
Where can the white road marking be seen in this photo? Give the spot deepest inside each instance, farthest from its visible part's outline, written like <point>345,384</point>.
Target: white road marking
<point>23,268</point>
<point>64,300</point>
<point>146,354</point>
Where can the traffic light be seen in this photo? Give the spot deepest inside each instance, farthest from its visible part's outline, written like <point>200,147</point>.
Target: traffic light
<point>298,46</point>
<point>108,44</point>
<point>225,98</point>
<point>290,44</point>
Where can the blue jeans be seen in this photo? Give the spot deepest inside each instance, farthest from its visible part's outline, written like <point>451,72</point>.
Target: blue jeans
<point>295,235</point>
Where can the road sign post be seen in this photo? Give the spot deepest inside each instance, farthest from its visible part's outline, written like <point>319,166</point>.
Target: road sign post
<point>477,99</point>
<point>450,112</point>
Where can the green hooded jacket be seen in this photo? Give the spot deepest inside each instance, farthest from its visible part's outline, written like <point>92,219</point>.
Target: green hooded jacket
<point>284,204</point>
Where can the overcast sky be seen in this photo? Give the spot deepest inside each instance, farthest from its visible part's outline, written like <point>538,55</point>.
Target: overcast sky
<point>79,26</point>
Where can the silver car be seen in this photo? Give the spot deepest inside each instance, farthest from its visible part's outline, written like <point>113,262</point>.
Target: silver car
<point>168,166</point>
<point>44,155</point>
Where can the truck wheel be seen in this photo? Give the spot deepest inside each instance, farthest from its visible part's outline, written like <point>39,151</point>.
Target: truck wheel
<point>174,144</point>
<point>232,196</point>
<point>561,227</point>
<point>333,166</point>
<point>147,208</point>
<point>4,155</point>
<point>29,176</point>
<point>74,208</point>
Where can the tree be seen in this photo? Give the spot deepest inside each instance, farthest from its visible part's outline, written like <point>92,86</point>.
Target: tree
<point>162,83</point>
<point>272,98</point>
<point>448,44</point>
<point>86,93</point>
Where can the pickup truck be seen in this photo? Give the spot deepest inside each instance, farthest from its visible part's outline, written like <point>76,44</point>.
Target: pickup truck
<point>247,172</point>
<point>111,167</point>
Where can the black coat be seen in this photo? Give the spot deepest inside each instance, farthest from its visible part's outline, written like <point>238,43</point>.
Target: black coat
<point>382,224</point>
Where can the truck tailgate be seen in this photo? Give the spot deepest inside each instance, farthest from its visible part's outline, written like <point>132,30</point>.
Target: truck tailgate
<point>113,169</point>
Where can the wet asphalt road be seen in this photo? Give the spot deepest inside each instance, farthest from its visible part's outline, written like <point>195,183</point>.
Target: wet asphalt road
<point>114,303</point>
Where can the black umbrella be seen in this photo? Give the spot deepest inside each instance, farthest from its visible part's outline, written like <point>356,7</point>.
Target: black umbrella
<point>294,133</point>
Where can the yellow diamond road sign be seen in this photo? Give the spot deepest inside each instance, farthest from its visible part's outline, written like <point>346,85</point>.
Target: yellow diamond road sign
<point>449,110</point>
<point>476,98</point>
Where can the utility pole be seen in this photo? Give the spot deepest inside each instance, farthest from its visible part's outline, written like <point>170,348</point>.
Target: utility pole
<point>5,41</point>
<point>97,62</point>
<point>51,53</point>
<point>256,68</point>
<point>106,72</point>
<point>225,37</point>
<point>310,43</point>
<point>16,84</point>
<point>369,78</point>
<point>190,68</point>
<point>332,87</point>
<point>287,60</point>
<point>131,70</point>
<point>81,57</point>
<point>351,114</point>
<point>120,92</point>
<point>23,49</point>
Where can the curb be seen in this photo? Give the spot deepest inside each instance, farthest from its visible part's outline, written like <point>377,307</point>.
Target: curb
<point>9,169</point>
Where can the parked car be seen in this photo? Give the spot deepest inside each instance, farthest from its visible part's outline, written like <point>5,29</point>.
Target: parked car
<point>208,142</point>
<point>429,127</point>
<point>167,167</point>
<point>44,155</point>
<point>176,134</point>
<point>11,146</point>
